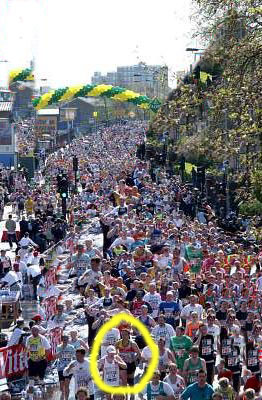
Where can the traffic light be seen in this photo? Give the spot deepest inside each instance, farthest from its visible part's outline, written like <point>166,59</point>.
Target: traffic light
<point>62,185</point>
<point>75,163</point>
<point>201,176</point>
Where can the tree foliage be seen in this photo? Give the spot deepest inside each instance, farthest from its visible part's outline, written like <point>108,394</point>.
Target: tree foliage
<point>232,104</point>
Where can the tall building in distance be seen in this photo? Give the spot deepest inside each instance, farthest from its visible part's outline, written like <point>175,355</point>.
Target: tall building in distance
<point>150,80</point>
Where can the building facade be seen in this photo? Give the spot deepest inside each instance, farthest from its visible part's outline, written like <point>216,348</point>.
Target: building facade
<point>150,80</point>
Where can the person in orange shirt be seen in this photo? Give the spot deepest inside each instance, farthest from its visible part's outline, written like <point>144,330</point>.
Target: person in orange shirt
<point>193,326</point>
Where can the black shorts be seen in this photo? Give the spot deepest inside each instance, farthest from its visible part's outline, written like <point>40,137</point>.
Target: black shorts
<point>62,377</point>
<point>37,368</point>
<point>131,367</point>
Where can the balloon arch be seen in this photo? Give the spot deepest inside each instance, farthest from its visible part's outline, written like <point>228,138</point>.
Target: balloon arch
<point>68,93</point>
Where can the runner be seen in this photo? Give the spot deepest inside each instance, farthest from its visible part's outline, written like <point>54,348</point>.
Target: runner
<point>65,354</point>
<point>111,364</point>
<point>79,368</point>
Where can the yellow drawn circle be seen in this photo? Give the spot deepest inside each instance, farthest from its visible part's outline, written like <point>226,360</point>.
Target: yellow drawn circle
<point>139,387</point>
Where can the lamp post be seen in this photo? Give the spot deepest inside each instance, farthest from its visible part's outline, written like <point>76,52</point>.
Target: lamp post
<point>194,51</point>
<point>75,169</point>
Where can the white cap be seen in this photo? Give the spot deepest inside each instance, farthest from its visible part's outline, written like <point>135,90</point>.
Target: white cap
<point>111,349</point>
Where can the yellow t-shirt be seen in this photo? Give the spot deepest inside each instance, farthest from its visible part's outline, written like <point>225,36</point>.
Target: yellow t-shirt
<point>36,349</point>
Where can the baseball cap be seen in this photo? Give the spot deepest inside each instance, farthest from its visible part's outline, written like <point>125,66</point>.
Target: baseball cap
<point>37,317</point>
<point>111,349</point>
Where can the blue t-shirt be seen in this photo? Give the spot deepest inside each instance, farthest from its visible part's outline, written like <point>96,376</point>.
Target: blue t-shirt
<point>194,392</point>
<point>168,308</point>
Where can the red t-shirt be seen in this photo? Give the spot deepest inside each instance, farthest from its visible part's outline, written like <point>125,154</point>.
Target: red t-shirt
<point>252,383</point>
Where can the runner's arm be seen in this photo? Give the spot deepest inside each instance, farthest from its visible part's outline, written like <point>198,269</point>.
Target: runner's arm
<point>185,370</point>
<point>83,344</point>
<point>69,368</point>
<point>204,367</point>
<point>137,350</point>
<point>120,362</point>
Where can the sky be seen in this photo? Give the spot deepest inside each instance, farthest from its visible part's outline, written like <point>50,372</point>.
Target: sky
<point>70,40</point>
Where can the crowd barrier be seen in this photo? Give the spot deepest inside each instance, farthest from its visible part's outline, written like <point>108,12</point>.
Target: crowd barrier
<point>13,359</point>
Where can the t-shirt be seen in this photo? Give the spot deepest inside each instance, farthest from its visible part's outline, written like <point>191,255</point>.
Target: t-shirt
<point>155,389</point>
<point>33,271</point>
<point>154,300</point>
<point>15,337</point>
<point>37,347</point>
<point>178,385</point>
<point>181,345</point>
<point>81,262</point>
<point>194,392</point>
<point>169,308</point>
<point>110,338</point>
<point>188,309</point>
<point>166,331</point>
<point>66,355</point>
<point>81,372</point>
<point>12,277</point>
<point>146,354</point>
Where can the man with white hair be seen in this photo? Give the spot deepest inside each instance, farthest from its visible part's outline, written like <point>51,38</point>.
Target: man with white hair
<point>38,348</point>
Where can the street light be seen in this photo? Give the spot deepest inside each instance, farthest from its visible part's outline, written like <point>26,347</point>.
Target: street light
<point>194,50</point>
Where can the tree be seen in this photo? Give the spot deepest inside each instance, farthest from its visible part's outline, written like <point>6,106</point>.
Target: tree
<point>222,118</point>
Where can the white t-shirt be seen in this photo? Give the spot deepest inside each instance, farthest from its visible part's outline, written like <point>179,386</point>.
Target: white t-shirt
<point>25,241</point>
<point>126,242</point>
<point>110,338</point>
<point>164,261</point>
<point>155,390</point>
<point>33,271</point>
<point>188,309</point>
<point>214,330</point>
<point>166,331</point>
<point>90,277</point>
<point>22,267</point>
<point>81,372</point>
<point>154,300</point>
<point>12,277</point>
<point>177,386</point>
<point>14,339</point>
<point>146,354</point>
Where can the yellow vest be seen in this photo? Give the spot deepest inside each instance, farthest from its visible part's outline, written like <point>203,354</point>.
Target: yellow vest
<point>36,349</point>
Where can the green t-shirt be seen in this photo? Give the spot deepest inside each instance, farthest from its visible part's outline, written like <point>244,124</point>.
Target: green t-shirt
<point>195,257</point>
<point>181,345</point>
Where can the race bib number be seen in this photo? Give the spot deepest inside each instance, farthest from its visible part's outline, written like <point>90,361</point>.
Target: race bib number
<point>180,353</point>
<point>206,350</point>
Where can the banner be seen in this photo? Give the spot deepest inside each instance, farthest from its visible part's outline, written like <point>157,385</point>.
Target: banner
<point>50,306</point>
<point>55,338</point>
<point>13,361</point>
<point>50,277</point>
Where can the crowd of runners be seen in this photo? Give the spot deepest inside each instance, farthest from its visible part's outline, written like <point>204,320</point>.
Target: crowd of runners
<point>196,287</point>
